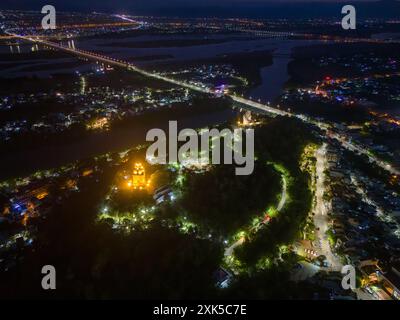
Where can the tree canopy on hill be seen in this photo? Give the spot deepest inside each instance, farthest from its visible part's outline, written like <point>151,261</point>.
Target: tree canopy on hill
<point>281,141</point>
<point>94,262</point>
<point>224,202</point>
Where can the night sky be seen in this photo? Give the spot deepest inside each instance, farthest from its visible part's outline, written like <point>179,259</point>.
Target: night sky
<point>256,8</point>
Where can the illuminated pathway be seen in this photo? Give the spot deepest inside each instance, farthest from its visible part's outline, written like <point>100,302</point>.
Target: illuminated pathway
<point>281,204</point>
<point>320,211</point>
<point>344,141</point>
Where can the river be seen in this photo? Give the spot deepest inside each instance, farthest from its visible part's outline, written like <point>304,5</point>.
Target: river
<point>273,79</point>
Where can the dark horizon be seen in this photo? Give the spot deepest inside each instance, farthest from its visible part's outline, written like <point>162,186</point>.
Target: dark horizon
<point>227,8</point>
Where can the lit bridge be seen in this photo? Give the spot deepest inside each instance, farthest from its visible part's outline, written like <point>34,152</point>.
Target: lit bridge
<point>256,106</point>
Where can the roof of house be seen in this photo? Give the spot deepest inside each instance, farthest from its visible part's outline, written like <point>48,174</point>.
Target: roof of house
<point>393,278</point>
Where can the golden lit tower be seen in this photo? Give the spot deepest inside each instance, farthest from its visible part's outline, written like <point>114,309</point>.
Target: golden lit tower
<point>138,176</point>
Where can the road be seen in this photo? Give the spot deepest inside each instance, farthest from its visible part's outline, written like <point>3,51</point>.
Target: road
<point>281,204</point>
<point>229,250</point>
<point>343,140</point>
<point>347,144</point>
<point>321,219</point>
<point>259,106</point>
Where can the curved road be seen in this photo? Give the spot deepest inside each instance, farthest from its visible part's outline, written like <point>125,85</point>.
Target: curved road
<point>281,204</point>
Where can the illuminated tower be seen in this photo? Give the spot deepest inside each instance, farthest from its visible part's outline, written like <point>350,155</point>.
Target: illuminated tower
<point>138,176</point>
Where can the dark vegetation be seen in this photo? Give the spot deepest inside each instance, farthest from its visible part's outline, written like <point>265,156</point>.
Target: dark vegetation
<point>303,70</point>
<point>224,202</point>
<point>52,151</point>
<point>34,84</point>
<point>329,110</point>
<point>92,261</point>
<point>286,226</point>
<point>273,284</point>
<point>78,132</point>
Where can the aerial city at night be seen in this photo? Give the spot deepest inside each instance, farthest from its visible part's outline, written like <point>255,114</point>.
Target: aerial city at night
<point>216,150</point>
